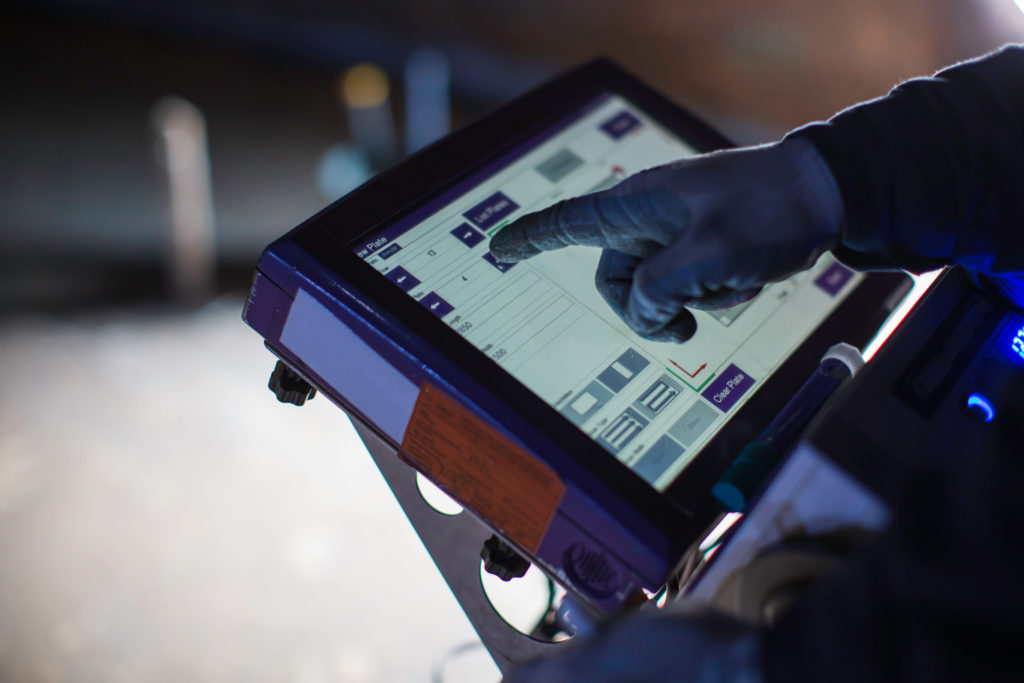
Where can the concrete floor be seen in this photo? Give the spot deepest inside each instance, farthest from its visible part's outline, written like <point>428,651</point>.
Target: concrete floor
<point>164,518</point>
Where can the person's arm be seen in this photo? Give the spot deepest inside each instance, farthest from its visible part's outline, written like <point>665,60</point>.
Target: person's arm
<point>656,648</point>
<point>929,175</point>
<point>705,232</point>
<point>933,173</point>
<point>938,595</point>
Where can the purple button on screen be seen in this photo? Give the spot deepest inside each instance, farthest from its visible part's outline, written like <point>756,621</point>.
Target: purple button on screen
<point>728,388</point>
<point>401,277</point>
<point>620,124</point>
<point>833,278</point>
<point>437,305</point>
<point>389,251</point>
<point>500,265</point>
<point>467,235</point>
<point>490,211</point>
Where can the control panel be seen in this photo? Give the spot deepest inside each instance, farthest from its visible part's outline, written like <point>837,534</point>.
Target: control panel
<point>949,383</point>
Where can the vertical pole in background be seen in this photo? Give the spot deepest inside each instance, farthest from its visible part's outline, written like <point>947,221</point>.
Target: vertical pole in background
<point>364,90</point>
<point>184,155</point>
<point>427,99</point>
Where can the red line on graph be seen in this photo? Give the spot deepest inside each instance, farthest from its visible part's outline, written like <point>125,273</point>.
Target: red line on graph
<point>691,375</point>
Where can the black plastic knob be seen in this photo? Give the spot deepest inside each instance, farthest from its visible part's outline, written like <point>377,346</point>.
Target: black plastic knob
<point>288,385</point>
<point>502,560</point>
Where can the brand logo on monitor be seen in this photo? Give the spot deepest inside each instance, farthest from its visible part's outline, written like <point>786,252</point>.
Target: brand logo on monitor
<point>590,571</point>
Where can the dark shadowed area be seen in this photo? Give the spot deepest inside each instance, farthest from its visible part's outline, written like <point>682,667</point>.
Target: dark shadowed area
<point>162,517</point>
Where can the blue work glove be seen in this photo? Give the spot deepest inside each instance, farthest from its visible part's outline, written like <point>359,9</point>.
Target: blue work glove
<point>705,232</point>
<point>654,649</point>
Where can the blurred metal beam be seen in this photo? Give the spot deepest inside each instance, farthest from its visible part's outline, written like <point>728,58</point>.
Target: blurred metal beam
<point>184,155</point>
<point>476,73</point>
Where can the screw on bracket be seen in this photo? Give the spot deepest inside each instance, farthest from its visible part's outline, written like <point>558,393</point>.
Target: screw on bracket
<point>288,385</point>
<point>502,560</point>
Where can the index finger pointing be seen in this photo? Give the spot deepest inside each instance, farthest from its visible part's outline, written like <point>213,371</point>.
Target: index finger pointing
<point>571,221</point>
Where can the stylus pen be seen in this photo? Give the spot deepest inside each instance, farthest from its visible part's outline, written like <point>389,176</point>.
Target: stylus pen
<point>756,460</point>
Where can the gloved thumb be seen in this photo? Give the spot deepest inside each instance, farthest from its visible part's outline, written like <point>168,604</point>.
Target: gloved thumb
<point>649,309</point>
<point>656,306</point>
<point>614,280</point>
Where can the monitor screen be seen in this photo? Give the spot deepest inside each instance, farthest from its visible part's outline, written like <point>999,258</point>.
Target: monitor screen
<point>653,405</point>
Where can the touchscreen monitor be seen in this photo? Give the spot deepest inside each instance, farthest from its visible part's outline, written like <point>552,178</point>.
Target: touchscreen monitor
<point>653,405</point>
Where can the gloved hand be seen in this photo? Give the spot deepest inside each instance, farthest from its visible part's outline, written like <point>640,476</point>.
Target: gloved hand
<point>707,648</point>
<point>705,232</point>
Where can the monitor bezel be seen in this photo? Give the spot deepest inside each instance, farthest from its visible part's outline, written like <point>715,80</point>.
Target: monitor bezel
<point>668,521</point>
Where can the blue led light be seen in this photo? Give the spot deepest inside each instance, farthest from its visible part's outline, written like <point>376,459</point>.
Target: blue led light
<point>978,404</point>
<point>1011,341</point>
<point>1017,343</point>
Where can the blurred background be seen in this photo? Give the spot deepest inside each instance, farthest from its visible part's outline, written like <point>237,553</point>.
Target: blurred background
<point>162,517</point>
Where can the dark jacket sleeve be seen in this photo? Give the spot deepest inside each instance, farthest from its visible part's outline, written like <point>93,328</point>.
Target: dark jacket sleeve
<point>939,594</point>
<point>933,173</point>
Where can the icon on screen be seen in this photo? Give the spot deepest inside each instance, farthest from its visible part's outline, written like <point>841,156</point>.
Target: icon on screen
<point>659,395</point>
<point>658,458</point>
<point>587,402</point>
<point>626,367</point>
<point>622,430</point>
<point>401,277</point>
<point>389,251</point>
<point>833,278</point>
<point>620,124</point>
<point>467,235</point>
<point>436,305</point>
<point>500,265</point>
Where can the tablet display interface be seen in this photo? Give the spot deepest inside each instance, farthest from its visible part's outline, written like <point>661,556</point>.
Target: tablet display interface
<point>653,405</point>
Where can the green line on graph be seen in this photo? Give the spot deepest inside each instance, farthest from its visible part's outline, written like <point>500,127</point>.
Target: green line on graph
<point>704,384</point>
<point>499,227</point>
